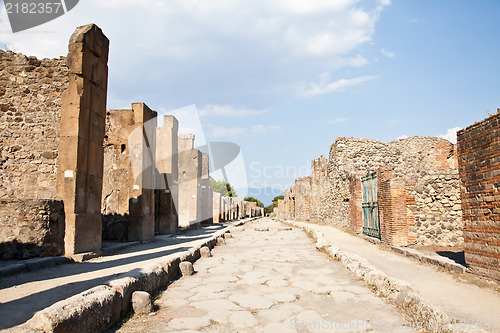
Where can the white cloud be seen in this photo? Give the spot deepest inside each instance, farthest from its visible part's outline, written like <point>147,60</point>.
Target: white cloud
<point>325,87</point>
<point>337,121</point>
<point>227,110</point>
<point>215,53</point>
<point>451,134</point>
<point>404,136</point>
<point>223,132</point>
<point>388,54</point>
<point>259,128</point>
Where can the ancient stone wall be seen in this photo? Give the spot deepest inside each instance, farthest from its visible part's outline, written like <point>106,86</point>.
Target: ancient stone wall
<point>31,228</point>
<point>321,187</point>
<point>479,165</point>
<point>30,113</point>
<point>426,165</point>
<point>434,202</point>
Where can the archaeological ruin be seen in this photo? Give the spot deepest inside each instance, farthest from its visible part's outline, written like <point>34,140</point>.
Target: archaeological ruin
<point>418,191</point>
<point>75,172</point>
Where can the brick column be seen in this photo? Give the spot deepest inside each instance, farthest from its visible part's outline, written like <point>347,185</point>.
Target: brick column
<point>392,205</point>
<point>80,162</point>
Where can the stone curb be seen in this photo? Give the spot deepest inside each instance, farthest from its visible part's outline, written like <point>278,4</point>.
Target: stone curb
<point>99,308</point>
<point>33,265</point>
<point>383,285</point>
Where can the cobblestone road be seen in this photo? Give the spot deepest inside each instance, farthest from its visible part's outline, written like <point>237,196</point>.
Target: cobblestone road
<point>269,278</point>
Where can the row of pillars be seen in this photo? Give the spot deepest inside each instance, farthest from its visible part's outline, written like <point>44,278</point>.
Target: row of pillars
<point>118,166</point>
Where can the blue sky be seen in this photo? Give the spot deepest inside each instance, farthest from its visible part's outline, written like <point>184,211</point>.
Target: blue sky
<point>284,78</point>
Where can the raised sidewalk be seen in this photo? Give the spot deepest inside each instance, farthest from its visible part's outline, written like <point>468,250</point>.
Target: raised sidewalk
<point>449,292</point>
<point>141,266</point>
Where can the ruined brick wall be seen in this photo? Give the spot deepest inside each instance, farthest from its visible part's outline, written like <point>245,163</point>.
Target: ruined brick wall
<point>30,113</point>
<point>479,165</point>
<point>31,228</point>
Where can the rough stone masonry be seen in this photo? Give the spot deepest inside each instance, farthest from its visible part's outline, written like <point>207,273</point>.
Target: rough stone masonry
<point>73,173</point>
<point>419,188</point>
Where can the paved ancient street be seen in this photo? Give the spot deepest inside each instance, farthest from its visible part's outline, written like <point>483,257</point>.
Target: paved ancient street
<point>268,278</point>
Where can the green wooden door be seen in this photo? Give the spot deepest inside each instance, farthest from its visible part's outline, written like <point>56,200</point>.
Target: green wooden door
<point>371,223</point>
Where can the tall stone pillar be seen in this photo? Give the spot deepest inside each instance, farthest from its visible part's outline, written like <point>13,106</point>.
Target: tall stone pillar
<point>190,170</point>
<point>80,162</point>
<point>206,191</point>
<point>167,181</point>
<point>216,207</point>
<point>142,143</point>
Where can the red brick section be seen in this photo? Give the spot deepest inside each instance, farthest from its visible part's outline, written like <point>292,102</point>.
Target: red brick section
<point>393,211</point>
<point>355,201</point>
<point>479,167</point>
<point>445,150</point>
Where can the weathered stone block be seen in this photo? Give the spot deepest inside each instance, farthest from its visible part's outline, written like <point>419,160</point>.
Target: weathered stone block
<point>141,302</point>
<point>186,268</point>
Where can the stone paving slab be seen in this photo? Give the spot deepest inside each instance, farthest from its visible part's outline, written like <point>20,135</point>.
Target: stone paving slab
<point>269,281</point>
